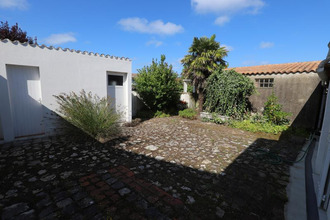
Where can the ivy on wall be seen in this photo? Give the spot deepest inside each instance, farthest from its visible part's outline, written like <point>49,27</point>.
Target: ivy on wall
<point>227,93</point>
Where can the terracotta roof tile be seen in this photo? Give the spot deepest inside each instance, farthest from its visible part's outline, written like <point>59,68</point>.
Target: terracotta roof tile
<point>299,67</point>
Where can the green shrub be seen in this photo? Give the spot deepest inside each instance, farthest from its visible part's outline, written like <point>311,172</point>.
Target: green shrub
<point>273,111</point>
<point>158,86</point>
<point>188,113</point>
<point>93,115</point>
<point>160,114</point>
<point>257,118</point>
<point>227,93</point>
<point>258,126</point>
<point>218,120</point>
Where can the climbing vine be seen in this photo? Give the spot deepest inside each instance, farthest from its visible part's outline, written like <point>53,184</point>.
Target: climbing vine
<point>227,93</point>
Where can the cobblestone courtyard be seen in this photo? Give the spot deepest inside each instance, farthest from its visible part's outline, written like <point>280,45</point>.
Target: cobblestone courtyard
<point>167,168</point>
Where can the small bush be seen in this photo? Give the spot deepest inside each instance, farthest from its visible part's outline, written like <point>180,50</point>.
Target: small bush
<point>160,114</point>
<point>188,113</point>
<point>273,111</point>
<point>93,115</point>
<point>258,126</point>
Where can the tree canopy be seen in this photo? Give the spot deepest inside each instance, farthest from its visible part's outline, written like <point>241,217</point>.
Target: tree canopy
<point>14,33</point>
<point>158,86</point>
<point>205,55</point>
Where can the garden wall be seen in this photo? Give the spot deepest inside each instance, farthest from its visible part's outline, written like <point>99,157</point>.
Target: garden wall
<point>299,93</point>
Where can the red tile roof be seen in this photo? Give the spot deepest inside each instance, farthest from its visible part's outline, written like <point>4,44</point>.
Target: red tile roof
<point>298,67</point>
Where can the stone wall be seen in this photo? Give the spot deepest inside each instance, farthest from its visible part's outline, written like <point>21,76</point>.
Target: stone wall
<point>299,93</point>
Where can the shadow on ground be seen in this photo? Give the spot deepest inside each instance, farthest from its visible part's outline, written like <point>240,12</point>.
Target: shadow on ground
<point>65,177</point>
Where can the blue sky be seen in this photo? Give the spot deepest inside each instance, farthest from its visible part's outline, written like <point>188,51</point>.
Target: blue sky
<point>254,31</point>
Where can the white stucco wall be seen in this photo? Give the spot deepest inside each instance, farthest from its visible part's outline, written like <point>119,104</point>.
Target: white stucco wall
<point>61,70</point>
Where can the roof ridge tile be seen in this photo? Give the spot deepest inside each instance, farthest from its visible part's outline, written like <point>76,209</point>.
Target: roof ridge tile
<point>16,42</point>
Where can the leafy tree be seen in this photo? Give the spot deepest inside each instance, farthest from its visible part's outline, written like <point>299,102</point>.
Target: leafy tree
<point>14,33</point>
<point>227,93</point>
<point>205,56</point>
<point>273,111</point>
<point>158,86</point>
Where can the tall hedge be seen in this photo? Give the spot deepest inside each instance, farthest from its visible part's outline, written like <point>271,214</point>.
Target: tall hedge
<point>158,86</point>
<point>227,93</point>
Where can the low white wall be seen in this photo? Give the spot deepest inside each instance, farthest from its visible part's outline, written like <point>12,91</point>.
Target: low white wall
<point>189,99</point>
<point>61,70</point>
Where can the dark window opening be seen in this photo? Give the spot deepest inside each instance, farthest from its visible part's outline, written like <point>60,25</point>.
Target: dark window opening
<point>114,80</point>
<point>265,83</point>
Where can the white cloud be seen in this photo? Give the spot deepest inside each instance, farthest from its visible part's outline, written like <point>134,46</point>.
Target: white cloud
<point>226,6</point>
<point>229,48</point>
<point>56,39</point>
<point>222,20</point>
<point>154,42</point>
<point>264,45</point>
<point>225,9</point>
<point>14,4</point>
<point>142,25</point>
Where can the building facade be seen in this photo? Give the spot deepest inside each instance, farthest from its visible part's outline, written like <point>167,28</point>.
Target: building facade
<point>30,76</point>
<point>296,85</point>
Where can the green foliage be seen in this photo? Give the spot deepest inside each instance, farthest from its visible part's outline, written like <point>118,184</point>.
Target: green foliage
<point>93,115</point>
<point>227,93</point>
<point>216,120</point>
<point>158,86</point>
<point>267,127</point>
<point>190,88</point>
<point>204,56</point>
<point>188,113</point>
<point>273,111</point>
<point>160,114</point>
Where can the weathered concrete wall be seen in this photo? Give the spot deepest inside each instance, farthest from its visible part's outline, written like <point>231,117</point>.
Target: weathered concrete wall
<point>299,93</point>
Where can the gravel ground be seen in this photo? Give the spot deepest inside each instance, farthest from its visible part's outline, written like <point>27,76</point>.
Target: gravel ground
<point>163,168</point>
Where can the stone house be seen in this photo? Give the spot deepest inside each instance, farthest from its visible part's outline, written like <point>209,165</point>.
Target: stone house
<point>296,85</point>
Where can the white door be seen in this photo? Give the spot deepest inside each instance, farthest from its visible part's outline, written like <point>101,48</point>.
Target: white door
<point>25,100</point>
<point>116,92</point>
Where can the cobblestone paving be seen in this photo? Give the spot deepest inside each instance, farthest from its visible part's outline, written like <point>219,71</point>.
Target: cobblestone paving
<point>166,168</point>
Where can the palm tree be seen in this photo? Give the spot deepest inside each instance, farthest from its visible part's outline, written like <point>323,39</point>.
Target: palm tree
<point>205,56</point>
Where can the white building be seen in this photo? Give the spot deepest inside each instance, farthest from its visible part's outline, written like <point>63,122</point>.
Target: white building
<point>30,76</point>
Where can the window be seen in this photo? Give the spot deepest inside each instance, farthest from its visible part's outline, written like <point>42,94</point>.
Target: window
<point>265,83</point>
<point>114,80</point>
